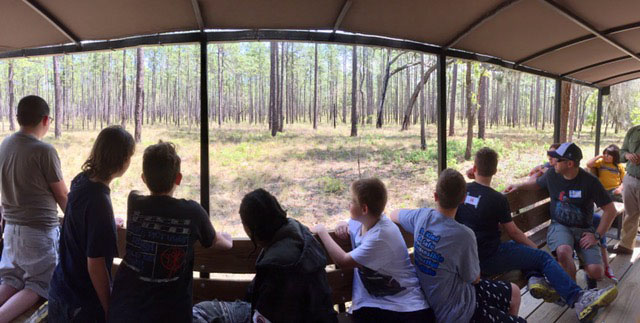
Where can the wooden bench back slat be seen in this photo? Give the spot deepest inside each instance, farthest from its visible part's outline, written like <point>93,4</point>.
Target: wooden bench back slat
<point>231,290</point>
<point>239,259</point>
<point>533,217</point>
<point>520,199</point>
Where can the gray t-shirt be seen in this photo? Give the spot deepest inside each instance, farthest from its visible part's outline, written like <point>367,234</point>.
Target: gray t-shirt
<point>446,257</point>
<point>27,167</point>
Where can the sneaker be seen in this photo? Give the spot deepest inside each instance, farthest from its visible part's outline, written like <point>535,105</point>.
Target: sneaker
<point>591,283</point>
<point>609,273</point>
<point>591,300</point>
<point>539,288</point>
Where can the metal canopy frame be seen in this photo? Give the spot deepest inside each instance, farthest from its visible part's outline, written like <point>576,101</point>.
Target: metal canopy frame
<point>53,21</point>
<point>203,37</point>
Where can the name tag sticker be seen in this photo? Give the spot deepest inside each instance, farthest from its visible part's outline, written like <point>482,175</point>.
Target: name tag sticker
<point>472,200</point>
<point>575,194</point>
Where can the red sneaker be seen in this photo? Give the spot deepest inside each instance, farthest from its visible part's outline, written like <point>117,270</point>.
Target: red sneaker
<point>609,273</point>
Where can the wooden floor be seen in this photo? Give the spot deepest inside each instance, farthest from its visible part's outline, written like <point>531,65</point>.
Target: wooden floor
<point>626,308</point>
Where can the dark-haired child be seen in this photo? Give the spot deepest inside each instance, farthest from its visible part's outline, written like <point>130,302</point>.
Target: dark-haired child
<point>154,281</point>
<point>446,257</point>
<point>385,285</point>
<point>610,171</point>
<point>291,282</point>
<point>541,169</point>
<point>81,282</point>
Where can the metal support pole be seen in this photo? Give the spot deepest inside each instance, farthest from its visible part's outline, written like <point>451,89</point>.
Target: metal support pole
<point>557,111</point>
<point>601,93</point>
<point>442,112</point>
<point>204,127</point>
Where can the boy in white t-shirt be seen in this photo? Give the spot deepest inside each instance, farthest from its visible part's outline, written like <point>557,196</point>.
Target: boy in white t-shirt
<point>385,285</point>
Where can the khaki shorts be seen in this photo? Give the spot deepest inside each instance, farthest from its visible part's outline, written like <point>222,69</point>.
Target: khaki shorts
<point>29,257</point>
<point>559,235</point>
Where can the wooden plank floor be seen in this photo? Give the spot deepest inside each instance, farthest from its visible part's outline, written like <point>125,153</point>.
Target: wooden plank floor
<point>626,308</point>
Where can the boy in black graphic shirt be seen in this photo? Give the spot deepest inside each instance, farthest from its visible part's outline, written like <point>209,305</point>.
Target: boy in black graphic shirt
<point>154,281</point>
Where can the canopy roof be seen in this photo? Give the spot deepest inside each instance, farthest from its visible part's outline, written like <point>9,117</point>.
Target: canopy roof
<point>591,42</point>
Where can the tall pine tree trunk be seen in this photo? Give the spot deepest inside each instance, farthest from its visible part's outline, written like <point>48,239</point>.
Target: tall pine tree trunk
<point>139,94</point>
<point>272,90</point>
<point>220,92</point>
<point>452,109</point>
<point>482,100</point>
<point>315,87</point>
<point>544,102</point>
<point>12,109</point>
<point>58,96</point>
<point>564,110</point>
<point>354,92</point>
<point>423,139</point>
<point>123,117</point>
<point>344,87</point>
<point>470,113</point>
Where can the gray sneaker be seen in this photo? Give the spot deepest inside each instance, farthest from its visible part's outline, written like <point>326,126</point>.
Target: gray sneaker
<point>540,288</point>
<point>591,300</point>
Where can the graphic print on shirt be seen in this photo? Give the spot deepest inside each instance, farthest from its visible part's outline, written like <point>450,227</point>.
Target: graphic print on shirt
<point>611,170</point>
<point>567,213</point>
<point>426,258</point>
<point>157,247</point>
<point>378,284</point>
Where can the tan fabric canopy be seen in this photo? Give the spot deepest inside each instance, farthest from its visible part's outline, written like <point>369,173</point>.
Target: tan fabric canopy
<point>593,41</point>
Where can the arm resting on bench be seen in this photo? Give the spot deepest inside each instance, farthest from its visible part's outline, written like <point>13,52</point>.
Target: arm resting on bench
<point>339,256</point>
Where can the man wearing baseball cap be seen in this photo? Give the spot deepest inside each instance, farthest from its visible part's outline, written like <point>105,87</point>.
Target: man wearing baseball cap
<point>573,191</point>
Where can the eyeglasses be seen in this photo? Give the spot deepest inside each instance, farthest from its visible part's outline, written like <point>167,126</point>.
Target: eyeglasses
<point>50,118</point>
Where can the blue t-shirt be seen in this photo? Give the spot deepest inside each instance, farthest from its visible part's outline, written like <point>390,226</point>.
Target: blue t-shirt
<point>154,280</point>
<point>446,259</point>
<point>88,231</point>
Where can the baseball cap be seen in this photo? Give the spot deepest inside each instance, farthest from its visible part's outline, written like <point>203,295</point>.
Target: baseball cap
<point>567,150</point>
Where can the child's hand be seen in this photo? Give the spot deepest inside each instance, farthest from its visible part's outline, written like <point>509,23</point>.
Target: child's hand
<point>318,228</point>
<point>119,223</point>
<point>618,191</point>
<point>470,173</point>
<point>511,188</point>
<point>224,241</point>
<point>342,230</point>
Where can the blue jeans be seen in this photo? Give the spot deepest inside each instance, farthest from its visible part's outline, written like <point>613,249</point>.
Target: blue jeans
<point>222,312</point>
<point>533,262</point>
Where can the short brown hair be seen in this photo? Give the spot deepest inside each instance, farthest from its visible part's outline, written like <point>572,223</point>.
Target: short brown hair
<point>451,188</point>
<point>486,161</point>
<point>111,151</point>
<point>160,166</point>
<point>31,110</point>
<point>372,192</point>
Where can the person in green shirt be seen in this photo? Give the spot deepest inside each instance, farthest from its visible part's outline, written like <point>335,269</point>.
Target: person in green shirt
<point>630,153</point>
